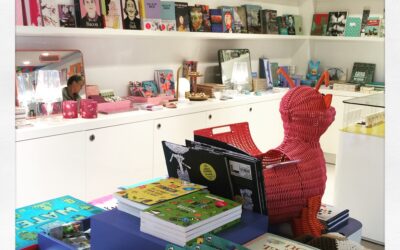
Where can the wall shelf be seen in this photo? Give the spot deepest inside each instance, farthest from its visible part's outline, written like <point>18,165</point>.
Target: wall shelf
<point>347,39</point>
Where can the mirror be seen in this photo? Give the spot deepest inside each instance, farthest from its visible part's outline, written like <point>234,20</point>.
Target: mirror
<point>41,78</point>
<point>235,68</point>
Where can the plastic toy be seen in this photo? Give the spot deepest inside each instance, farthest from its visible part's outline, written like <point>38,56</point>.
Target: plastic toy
<point>313,73</point>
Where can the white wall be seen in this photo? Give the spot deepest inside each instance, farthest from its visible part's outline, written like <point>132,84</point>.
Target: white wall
<point>7,131</point>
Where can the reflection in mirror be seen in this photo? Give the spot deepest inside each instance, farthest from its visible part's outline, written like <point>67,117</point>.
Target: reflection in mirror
<point>235,67</point>
<point>42,77</point>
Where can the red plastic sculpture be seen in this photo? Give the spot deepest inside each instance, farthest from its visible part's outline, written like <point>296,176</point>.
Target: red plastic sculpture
<point>293,191</point>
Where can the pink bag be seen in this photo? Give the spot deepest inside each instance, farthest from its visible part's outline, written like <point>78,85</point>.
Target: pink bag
<point>88,109</point>
<point>70,109</point>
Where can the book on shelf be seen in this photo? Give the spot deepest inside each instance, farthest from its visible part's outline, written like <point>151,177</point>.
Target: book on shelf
<point>205,10</point>
<point>67,15</point>
<point>275,242</point>
<point>187,217</point>
<point>282,25</point>
<point>182,16</point>
<point>298,24</point>
<point>239,19</point>
<point>319,24</point>
<point>228,24</point>
<point>269,23</point>
<point>372,28</point>
<point>353,27</point>
<point>88,14</point>
<point>130,13</point>
<point>362,73</point>
<point>253,18</point>
<point>266,72</point>
<point>33,13</point>
<point>41,217</point>
<point>290,24</point>
<point>216,20</point>
<point>167,13</point>
<point>196,19</point>
<point>336,23</point>
<point>136,199</point>
<point>165,81</point>
<point>150,14</point>
<point>20,16</point>
<point>49,12</point>
<point>111,10</point>
<point>364,21</point>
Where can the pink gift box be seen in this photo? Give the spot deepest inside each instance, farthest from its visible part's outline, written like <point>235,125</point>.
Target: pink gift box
<point>88,109</point>
<point>70,109</point>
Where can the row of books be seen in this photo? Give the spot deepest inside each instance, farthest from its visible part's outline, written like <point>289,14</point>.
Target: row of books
<point>340,24</point>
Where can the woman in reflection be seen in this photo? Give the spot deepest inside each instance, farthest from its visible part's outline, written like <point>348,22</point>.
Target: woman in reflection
<point>74,86</point>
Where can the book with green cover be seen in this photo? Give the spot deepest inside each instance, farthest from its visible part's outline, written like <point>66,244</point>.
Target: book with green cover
<point>362,73</point>
<point>353,27</point>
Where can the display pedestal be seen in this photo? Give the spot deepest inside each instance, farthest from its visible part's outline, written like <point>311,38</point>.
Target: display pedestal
<point>118,230</point>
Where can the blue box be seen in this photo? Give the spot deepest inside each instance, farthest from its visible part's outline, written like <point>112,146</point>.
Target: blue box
<point>118,230</point>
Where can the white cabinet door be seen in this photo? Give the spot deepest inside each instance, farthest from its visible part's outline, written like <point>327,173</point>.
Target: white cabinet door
<point>173,129</point>
<point>118,155</point>
<point>50,167</point>
<point>225,116</point>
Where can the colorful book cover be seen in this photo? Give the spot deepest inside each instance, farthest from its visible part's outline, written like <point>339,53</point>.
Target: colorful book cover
<point>182,16</point>
<point>33,12</point>
<point>253,18</point>
<point>364,21</point>
<point>196,19</point>
<point>282,25</point>
<point>159,191</point>
<point>150,88</point>
<point>268,22</point>
<point>274,69</point>
<point>275,242</point>
<point>198,205</point>
<point>19,13</point>
<point>41,217</point>
<point>88,14</point>
<point>165,81</point>
<point>50,14</point>
<point>353,27</point>
<point>130,13</point>
<point>107,202</point>
<point>337,23</point>
<point>67,15</point>
<point>198,166</point>
<point>111,10</point>
<point>216,20</point>
<point>205,10</point>
<point>150,14</point>
<point>167,12</point>
<point>239,19</point>
<point>227,19</point>
<point>320,24</point>
<point>373,26</point>
<point>298,24</point>
<point>328,213</point>
<point>290,24</point>
<point>362,73</point>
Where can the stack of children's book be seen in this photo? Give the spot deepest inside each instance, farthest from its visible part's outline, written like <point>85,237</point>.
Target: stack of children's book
<point>183,219</point>
<point>332,218</point>
<point>134,200</point>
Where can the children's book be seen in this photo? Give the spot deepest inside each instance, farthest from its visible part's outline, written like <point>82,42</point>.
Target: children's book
<point>111,10</point>
<point>130,13</point>
<point>269,23</point>
<point>196,19</point>
<point>228,25</point>
<point>253,18</point>
<point>275,242</point>
<point>67,15</point>
<point>298,24</point>
<point>290,24</point>
<point>165,81</point>
<point>337,23</point>
<point>216,20</point>
<point>182,16</point>
<point>320,24</point>
<point>282,25</point>
<point>150,14</point>
<point>362,73</point>
<point>373,26</point>
<point>364,21</point>
<point>353,27</point>
<point>239,19</point>
<point>43,216</point>
<point>167,12</point>
<point>206,17</point>
<point>88,14</point>
<point>49,12</point>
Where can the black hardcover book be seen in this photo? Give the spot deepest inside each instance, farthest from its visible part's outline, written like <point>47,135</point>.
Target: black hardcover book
<point>336,23</point>
<point>182,16</point>
<point>88,14</point>
<point>362,73</point>
<point>199,166</point>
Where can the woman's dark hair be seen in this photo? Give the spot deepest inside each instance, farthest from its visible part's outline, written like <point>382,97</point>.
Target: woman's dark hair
<point>74,78</point>
<point>134,3</point>
<point>107,8</point>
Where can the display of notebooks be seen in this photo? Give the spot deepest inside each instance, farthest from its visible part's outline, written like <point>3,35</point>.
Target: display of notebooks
<point>282,25</point>
<point>198,166</point>
<point>187,217</point>
<point>353,27</point>
<point>167,13</point>
<point>49,13</point>
<point>88,14</point>
<point>272,241</point>
<point>216,20</point>
<point>33,12</point>
<point>67,15</point>
<point>165,81</point>
<point>336,23</point>
<point>373,26</point>
<point>206,17</point>
<point>182,16</point>
<point>298,25</point>
<point>111,10</point>
<point>364,21</point>
<point>290,24</point>
<point>43,216</point>
<point>266,72</point>
<point>320,24</point>
<point>150,14</point>
<point>130,13</point>
<point>196,19</point>
<point>253,18</point>
<point>136,199</point>
<point>239,19</point>
<point>382,28</point>
<point>362,73</point>
<point>228,25</point>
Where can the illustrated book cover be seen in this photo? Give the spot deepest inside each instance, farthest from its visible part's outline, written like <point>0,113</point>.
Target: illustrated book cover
<point>167,12</point>
<point>239,19</point>
<point>373,26</point>
<point>88,14</point>
<point>50,14</point>
<point>216,20</point>
<point>130,13</point>
<point>182,16</point>
<point>353,27</point>
<point>337,23</point>
<point>42,216</point>
<point>67,15</point>
<point>150,14</point>
<point>275,242</point>
<point>319,24</point>
<point>196,19</point>
<point>228,24</point>
<point>198,166</point>
<point>111,10</point>
<point>282,25</point>
<point>266,71</point>
<point>33,13</point>
<point>253,18</point>
<point>298,24</point>
<point>362,73</point>
<point>290,24</point>
<point>364,21</point>
<point>205,10</point>
<point>269,23</point>
<point>165,81</point>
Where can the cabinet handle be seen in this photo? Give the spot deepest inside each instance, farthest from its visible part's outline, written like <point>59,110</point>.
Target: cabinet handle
<point>92,137</point>
<point>209,117</point>
<point>159,126</point>
<point>250,109</point>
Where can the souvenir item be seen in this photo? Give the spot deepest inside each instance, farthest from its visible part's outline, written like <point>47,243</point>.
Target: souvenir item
<point>70,109</point>
<point>196,19</point>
